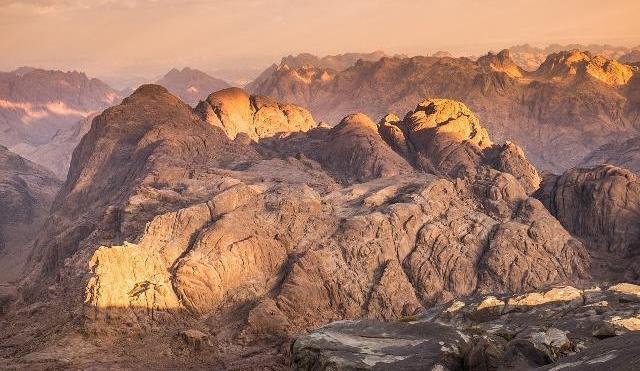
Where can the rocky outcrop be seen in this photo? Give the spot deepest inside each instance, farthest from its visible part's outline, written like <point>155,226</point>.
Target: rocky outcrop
<point>572,104</point>
<point>26,193</point>
<point>444,137</point>
<point>358,345</point>
<point>235,112</point>
<point>191,85</point>
<point>561,328</point>
<point>601,206</point>
<point>354,151</point>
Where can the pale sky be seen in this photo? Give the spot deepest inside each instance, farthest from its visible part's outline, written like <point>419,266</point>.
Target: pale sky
<point>148,37</point>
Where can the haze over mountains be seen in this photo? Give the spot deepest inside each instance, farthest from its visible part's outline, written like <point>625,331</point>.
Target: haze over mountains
<point>460,214</point>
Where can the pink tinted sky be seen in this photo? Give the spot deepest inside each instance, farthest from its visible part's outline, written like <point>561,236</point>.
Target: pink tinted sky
<point>146,37</point>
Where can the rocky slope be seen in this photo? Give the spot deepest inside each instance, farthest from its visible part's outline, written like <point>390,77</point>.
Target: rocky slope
<point>574,102</point>
<point>191,85</point>
<point>26,193</point>
<point>220,233</point>
<point>42,111</point>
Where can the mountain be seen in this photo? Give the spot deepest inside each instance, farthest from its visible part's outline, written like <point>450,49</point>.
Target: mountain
<point>573,103</point>
<point>191,85</point>
<point>37,107</point>
<point>309,62</point>
<point>26,193</point>
<point>236,76</point>
<point>213,237</point>
<point>530,57</point>
<point>337,62</point>
<point>55,155</point>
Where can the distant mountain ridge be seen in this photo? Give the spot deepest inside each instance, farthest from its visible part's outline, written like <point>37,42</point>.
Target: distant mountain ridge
<point>37,105</point>
<point>573,103</point>
<point>531,57</point>
<point>191,85</point>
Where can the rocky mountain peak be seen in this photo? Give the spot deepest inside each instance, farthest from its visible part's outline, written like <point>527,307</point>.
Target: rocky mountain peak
<point>566,64</point>
<point>501,62</point>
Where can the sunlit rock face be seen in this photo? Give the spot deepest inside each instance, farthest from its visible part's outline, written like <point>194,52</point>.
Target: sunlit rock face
<point>563,65</point>
<point>572,103</point>
<point>43,114</point>
<point>235,111</point>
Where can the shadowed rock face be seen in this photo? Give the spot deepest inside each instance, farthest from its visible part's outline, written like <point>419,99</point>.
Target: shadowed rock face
<point>559,113</point>
<point>244,232</point>
<point>601,206</point>
<point>26,193</point>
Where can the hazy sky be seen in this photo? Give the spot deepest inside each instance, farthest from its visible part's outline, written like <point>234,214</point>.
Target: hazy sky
<point>147,37</point>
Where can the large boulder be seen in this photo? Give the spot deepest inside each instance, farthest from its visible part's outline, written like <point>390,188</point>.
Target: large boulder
<point>235,111</point>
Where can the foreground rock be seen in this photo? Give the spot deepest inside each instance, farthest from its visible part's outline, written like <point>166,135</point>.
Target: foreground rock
<point>349,345</point>
<point>556,329</point>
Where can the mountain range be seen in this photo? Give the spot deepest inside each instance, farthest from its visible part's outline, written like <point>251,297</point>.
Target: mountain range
<point>337,213</point>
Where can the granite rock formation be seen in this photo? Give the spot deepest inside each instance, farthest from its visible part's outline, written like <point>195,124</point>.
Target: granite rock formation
<point>600,205</point>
